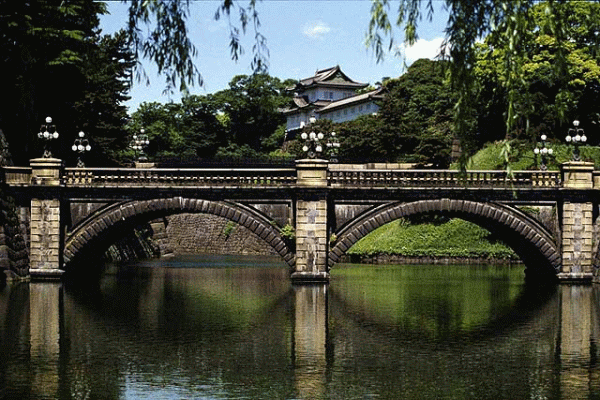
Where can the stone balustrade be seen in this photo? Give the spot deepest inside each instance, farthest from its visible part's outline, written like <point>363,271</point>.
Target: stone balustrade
<point>442,178</point>
<point>168,177</point>
<point>351,177</point>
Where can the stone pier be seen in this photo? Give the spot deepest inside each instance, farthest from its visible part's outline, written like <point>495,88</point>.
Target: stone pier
<point>577,223</point>
<point>311,223</point>
<point>45,225</point>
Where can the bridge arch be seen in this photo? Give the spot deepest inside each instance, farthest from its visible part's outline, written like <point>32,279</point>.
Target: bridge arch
<point>98,230</point>
<point>531,240</point>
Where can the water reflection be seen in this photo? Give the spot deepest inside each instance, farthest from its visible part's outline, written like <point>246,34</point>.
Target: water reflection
<point>310,340</point>
<point>219,332</point>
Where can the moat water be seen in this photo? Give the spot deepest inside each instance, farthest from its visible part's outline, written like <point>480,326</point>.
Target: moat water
<point>221,327</point>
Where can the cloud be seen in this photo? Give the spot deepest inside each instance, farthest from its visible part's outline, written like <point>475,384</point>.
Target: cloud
<point>422,49</point>
<point>316,30</point>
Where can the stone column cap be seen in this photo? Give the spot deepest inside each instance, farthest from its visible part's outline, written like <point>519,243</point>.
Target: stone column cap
<point>578,164</point>
<point>312,162</point>
<point>311,172</point>
<point>46,161</point>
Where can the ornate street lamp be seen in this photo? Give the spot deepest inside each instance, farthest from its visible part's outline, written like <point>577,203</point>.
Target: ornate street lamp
<point>312,145</point>
<point>48,133</point>
<point>576,136</point>
<point>543,151</point>
<point>139,144</point>
<point>333,146</point>
<point>80,146</point>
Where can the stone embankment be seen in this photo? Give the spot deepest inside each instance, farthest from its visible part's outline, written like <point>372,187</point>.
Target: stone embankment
<point>206,234</point>
<point>14,242</point>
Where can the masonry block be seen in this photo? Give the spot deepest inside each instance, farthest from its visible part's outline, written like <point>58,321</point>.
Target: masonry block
<point>577,243</point>
<point>311,242</point>
<point>45,246</point>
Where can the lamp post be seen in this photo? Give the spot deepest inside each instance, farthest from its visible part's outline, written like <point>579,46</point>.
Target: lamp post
<point>48,133</point>
<point>80,146</point>
<point>333,146</point>
<point>543,151</point>
<point>139,144</point>
<point>312,145</point>
<point>576,136</point>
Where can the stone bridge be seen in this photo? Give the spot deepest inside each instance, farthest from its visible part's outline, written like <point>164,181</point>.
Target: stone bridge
<point>76,213</point>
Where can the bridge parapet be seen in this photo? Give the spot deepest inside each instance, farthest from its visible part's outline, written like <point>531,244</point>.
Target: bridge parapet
<point>168,177</point>
<point>442,178</point>
<point>17,176</point>
<point>276,177</point>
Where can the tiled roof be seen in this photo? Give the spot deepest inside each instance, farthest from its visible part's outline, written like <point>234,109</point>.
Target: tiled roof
<point>328,77</point>
<point>301,102</point>
<point>359,98</point>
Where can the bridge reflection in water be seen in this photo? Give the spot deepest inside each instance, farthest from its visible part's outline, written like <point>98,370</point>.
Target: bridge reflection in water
<point>219,332</point>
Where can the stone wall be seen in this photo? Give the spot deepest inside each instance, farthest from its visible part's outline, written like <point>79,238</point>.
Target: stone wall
<point>209,234</point>
<point>14,228</point>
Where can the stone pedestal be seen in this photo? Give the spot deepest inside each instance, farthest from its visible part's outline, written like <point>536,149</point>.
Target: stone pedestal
<point>45,171</point>
<point>577,175</point>
<point>312,173</point>
<point>577,224</point>
<point>144,164</point>
<point>45,235</point>
<point>311,223</point>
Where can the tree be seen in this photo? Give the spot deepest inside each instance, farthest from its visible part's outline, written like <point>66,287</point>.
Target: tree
<point>468,22</point>
<point>414,123</point>
<point>418,107</point>
<point>49,57</point>
<point>43,47</point>
<point>100,111</point>
<point>543,99</point>
<point>252,104</point>
<point>169,47</point>
<point>238,122</point>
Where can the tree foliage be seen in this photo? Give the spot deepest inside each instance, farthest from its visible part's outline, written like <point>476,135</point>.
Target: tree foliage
<point>468,22</point>
<point>418,107</point>
<point>414,123</point>
<point>252,104</point>
<point>100,112</point>
<point>56,63</point>
<point>167,43</point>
<point>43,46</point>
<point>543,99</point>
<point>238,122</point>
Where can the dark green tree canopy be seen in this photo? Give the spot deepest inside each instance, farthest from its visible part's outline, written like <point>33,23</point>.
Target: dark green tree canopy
<point>50,58</point>
<point>234,123</point>
<point>414,123</point>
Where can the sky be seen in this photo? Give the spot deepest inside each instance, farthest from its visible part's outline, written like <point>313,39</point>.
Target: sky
<point>303,36</point>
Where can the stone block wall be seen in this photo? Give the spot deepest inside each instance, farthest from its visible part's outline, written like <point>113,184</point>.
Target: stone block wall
<point>45,234</point>
<point>311,236</point>
<point>209,234</point>
<point>577,236</point>
<point>14,241</point>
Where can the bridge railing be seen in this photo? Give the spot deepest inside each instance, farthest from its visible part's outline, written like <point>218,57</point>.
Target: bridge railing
<point>167,177</point>
<point>278,177</point>
<point>17,176</point>
<point>442,178</point>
